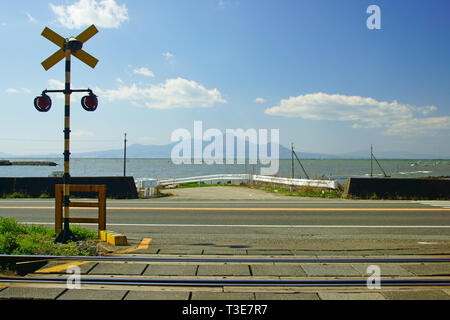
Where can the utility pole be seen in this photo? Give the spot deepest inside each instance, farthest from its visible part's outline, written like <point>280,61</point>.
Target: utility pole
<point>372,156</point>
<point>292,160</point>
<point>300,163</point>
<point>125,156</point>
<point>292,166</point>
<point>371,161</point>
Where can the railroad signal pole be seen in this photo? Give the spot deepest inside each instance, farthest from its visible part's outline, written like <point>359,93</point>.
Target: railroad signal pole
<point>68,47</point>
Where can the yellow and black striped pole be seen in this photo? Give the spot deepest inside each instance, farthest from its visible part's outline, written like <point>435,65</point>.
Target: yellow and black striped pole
<point>66,235</point>
<point>68,47</point>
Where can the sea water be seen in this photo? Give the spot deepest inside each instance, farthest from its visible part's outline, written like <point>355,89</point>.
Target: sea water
<point>337,169</point>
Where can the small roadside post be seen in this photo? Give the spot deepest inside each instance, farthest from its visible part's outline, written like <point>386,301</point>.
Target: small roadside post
<point>68,47</point>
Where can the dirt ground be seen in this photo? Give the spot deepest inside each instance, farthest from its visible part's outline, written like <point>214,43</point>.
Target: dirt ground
<point>223,193</point>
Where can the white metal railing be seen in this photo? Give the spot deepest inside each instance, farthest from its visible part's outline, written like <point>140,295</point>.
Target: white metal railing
<point>330,184</point>
<point>209,178</point>
<point>149,183</point>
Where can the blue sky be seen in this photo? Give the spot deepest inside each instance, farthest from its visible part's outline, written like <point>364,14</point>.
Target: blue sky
<point>309,68</point>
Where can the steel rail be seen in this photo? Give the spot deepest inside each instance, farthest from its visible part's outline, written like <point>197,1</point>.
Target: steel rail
<point>229,282</point>
<point>218,260</point>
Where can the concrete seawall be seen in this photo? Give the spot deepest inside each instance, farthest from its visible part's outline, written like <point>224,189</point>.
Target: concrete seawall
<point>116,187</point>
<point>392,188</point>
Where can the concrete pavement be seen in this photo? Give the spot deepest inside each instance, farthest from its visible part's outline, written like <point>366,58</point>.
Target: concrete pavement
<point>266,228</point>
<point>234,270</point>
<point>221,193</point>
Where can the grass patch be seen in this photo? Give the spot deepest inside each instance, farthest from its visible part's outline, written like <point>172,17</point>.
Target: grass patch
<point>302,191</point>
<point>16,195</point>
<point>19,239</point>
<point>45,196</point>
<point>23,195</point>
<point>203,184</point>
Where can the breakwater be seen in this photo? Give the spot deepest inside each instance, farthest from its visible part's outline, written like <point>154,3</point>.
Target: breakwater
<point>397,188</point>
<point>28,163</point>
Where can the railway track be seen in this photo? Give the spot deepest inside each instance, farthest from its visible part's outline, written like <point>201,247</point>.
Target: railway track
<point>435,281</point>
<point>229,282</point>
<point>15,258</point>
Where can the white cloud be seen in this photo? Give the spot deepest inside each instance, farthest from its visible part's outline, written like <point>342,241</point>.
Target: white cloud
<point>170,57</point>
<point>174,93</point>
<point>417,126</point>
<point>21,90</point>
<point>144,72</point>
<point>394,118</point>
<point>102,13</point>
<point>260,100</point>
<point>30,18</point>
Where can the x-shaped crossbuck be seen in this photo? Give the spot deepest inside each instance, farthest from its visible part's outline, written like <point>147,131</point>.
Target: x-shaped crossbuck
<point>61,42</point>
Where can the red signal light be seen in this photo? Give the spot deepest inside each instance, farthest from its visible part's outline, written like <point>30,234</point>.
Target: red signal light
<point>43,103</point>
<point>90,102</point>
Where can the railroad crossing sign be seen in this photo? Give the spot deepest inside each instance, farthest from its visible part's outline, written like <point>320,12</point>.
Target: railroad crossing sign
<point>74,44</point>
<point>68,47</point>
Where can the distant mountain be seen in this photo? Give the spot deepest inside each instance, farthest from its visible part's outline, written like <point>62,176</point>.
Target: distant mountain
<point>164,151</point>
<point>133,151</point>
<point>306,155</point>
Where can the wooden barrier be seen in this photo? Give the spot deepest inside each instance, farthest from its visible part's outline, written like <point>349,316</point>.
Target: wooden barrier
<point>101,205</point>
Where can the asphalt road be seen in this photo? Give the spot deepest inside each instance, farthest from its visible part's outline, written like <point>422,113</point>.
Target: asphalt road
<point>318,224</point>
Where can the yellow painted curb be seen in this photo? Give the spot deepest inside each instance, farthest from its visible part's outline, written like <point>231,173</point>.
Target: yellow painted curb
<point>116,239</point>
<point>103,235</point>
<point>113,238</point>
